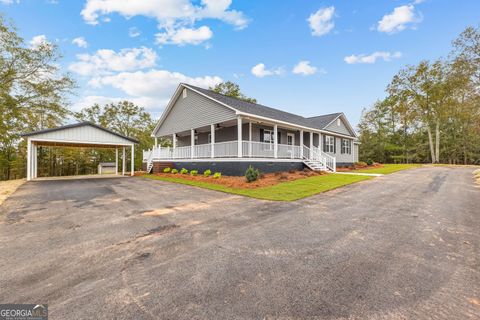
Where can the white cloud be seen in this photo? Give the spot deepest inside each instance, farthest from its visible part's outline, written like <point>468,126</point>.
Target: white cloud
<point>372,58</point>
<point>80,42</point>
<point>304,68</point>
<point>399,19</point>
<point>106,61</point>
<point>184,36</point>
<point>39,40</point>
<point>174,17</point>
<point>321,22</point>
<point>261,71</point>
<point>151,83</point>
<point>134,32</point>
<point>8,2</point>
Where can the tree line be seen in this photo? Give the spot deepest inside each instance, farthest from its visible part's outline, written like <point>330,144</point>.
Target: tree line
<point>34,95</point>
<point>431,112</point>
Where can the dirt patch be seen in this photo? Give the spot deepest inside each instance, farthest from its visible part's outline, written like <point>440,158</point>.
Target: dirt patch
<point>476,173</point>
<point>268,179</point>
<point>9,187</point>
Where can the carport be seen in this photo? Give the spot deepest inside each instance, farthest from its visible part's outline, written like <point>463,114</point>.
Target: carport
<point>83,134</point>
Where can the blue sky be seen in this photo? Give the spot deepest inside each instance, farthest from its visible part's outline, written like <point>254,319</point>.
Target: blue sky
<point>306,57</point>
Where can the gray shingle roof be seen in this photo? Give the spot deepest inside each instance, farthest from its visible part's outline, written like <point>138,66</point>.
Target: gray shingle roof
<point>319,122</point>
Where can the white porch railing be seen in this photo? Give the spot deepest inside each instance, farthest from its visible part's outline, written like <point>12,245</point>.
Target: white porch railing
<point>225,149</point>
<point>250,149</point>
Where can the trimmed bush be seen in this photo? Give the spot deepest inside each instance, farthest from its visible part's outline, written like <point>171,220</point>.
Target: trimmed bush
<point>184,171</point>
<point>193,172</point>
<point>217,175</point>
<point>369,162</point>
<point>167,170</point>
<point>251,174</point>
<point>207,173</point>
<point>174,171</point>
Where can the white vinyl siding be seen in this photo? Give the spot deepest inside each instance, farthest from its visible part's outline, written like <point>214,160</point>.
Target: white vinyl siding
<point>194,111</point>
<point>338,126</point>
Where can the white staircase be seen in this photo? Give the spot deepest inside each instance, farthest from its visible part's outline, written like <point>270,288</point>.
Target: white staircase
<point>317,160</point>
<point>150,162</point>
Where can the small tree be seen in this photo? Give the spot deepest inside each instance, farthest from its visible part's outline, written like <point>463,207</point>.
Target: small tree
<point>252,174</point>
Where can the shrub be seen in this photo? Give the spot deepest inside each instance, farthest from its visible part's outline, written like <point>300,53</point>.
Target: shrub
<point>251,174</point>
<point>207,173</point>
<point>217,175</point>
<point>167,170</point>
<point>184,171</point>
<point>369,162</point>
<point>174,171</point>
<point>193,172</point>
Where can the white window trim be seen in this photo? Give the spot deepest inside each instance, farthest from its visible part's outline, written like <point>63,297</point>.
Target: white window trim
<point>330,144</point>
<point>346,146</point>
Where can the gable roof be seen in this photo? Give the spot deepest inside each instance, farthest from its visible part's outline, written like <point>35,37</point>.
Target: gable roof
<point>79,124</point>
<point>255,109</point>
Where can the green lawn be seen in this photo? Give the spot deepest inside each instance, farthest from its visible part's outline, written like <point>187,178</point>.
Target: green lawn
<point>389,168</point>
<point>285,191</point>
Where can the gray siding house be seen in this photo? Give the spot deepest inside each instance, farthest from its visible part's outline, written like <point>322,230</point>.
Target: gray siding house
<point>212,131</point>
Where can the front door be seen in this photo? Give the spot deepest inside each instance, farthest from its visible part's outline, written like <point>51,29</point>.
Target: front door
<point>290,139</point>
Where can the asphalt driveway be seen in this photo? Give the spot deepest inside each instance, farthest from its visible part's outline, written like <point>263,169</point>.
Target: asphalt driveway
<point>400,246</point>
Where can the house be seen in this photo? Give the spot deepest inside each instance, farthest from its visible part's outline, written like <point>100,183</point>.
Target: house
<point>208,130</point>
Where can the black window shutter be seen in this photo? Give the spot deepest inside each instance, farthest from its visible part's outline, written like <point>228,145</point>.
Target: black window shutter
<point>261,136</point>
<point>350,147</point>
<point>334,145</point>
<point>341,146</point>
<point>324,143</point>
<point>279,137</point>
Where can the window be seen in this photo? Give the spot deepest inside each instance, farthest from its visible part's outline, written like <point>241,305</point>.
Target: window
<point>268,136</point>
<point>339,122</point>
<point>184,93</point>
<point>346,146</point>
<point>329,144</point>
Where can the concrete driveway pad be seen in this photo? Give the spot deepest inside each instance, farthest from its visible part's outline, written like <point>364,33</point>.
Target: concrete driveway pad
<point>404,245</point>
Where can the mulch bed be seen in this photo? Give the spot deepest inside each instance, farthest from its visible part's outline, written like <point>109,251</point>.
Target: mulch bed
<point>357,167</point>
<point>268,179</point>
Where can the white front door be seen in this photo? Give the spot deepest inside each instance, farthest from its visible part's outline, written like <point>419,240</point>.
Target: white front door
<point>290,139</point>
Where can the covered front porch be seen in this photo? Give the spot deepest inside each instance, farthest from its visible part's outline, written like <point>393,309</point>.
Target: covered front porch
<point>244,138</point>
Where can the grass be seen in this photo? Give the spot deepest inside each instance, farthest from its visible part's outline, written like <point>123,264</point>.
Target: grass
<point>285,191</point>
<point>389,168</point>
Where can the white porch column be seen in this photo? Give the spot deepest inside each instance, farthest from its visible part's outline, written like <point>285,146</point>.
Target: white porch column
<point>301,144</point>
<point>212,141</point>
<point>132,171</point>
<point>275,141</point>
<point>116,161</point>
<point>156,142</point>
<point>239,133</point>
<point>123,162</point>
<point>192,143</point>
<point>311,143</point>
<point>174,141</point>
<point>29,160</point>
<point>250,138</point>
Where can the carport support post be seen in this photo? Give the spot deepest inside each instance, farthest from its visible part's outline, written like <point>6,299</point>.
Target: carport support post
<point>116,161</point>
<point>132,171</point>
<point>123,161</point>
<point>35,160</point>
<point>29,160</point>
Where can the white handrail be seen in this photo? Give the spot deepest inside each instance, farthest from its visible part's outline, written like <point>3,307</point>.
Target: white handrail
<point>329,161</point>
